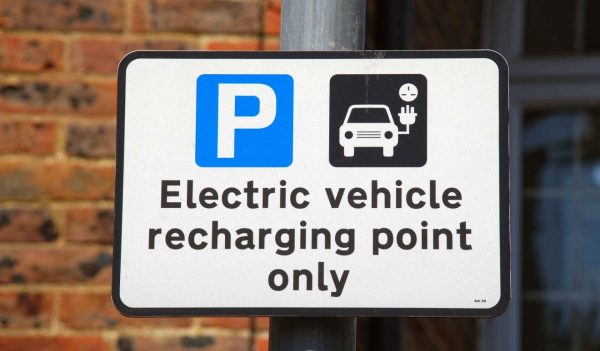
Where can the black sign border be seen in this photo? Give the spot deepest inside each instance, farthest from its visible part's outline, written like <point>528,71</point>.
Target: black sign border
<point>505,279</point>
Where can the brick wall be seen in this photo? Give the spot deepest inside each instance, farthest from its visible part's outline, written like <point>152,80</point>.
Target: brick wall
<point>58,60</point>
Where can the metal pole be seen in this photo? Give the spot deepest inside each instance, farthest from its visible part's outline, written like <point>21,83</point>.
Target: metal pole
<point>315,25</point>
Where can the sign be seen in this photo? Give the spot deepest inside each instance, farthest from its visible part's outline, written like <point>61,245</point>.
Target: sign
<point>315,183</point>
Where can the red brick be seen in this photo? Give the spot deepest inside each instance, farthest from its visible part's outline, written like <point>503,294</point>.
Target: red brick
<point>90,225</point>
<point>262,323</point>
<point>96,311</point>
<point>53,343</point>
<point>208,16</point>
<point>31,54</point>
<point>54,265</point>
<point>27,137</point>
<point>45,96</point>
<point>271,44</point>
<point>261,344</point>
<point>10,13</point>
<point>105,15</point>
<point>183,343</point>
<point>70,181</point>
<point>233,45</point>
<point>25,310</point>
<point>241,44</point>
<point>102,55</point>
<point>272,17</point>
<point>25,225</point>
<point>91,140</point>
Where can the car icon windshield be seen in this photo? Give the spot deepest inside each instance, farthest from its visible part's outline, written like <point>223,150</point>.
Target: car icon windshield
<point>368,115</point>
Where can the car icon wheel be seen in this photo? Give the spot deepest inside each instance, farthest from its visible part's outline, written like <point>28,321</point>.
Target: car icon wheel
<point>388,152</point>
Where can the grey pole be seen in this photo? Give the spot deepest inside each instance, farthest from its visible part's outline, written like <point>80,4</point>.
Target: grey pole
<point>316,25</point>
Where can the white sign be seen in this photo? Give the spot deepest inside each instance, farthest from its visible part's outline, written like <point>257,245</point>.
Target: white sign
<point>354,183</point>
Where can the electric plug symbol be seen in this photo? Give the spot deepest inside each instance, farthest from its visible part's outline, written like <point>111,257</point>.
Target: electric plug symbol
<point>407,115</point>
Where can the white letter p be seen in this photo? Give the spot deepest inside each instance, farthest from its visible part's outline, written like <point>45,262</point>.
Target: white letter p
<point>228,121</point>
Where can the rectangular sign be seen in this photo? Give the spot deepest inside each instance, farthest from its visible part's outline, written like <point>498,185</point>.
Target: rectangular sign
<point>312,183</point>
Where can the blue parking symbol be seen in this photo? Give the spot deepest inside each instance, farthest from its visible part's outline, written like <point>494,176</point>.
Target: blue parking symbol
<point>244,120</point>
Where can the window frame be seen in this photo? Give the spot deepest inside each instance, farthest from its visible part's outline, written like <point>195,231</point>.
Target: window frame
<point>534,82</point>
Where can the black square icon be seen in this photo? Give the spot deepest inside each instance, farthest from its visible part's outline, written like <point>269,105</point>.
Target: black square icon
<point>378,120</point>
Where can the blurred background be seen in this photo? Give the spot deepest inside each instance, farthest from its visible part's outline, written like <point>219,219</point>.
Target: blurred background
<point>58,60</point>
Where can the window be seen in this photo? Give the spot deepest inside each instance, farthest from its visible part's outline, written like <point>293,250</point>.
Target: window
<point>561,230</point>
<point>553,50</point>
<point>555,27</point>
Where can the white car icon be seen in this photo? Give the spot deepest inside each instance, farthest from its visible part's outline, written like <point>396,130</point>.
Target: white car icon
<point>368,126</point>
